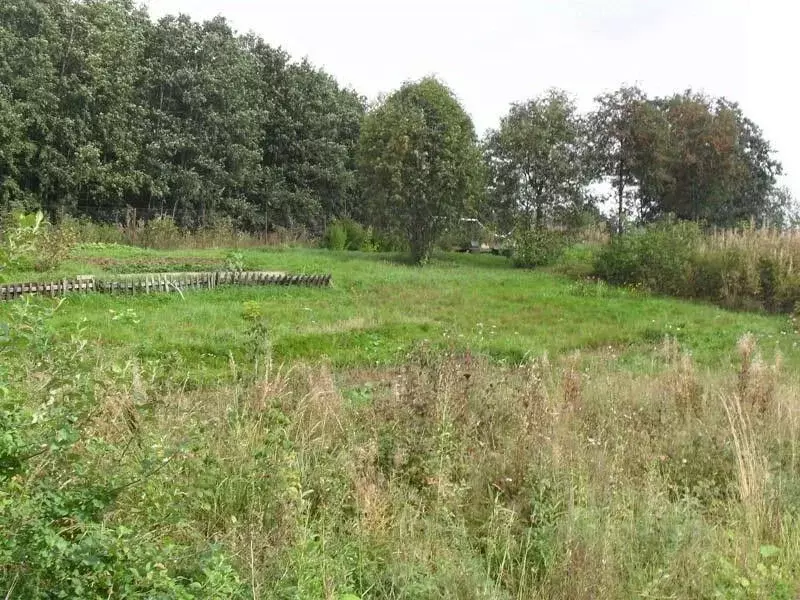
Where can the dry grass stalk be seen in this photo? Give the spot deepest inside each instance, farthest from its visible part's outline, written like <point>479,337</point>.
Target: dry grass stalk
<point>685,387</point>
<point>752,468</point>
<point>757,381</point>
<point>571,383</point>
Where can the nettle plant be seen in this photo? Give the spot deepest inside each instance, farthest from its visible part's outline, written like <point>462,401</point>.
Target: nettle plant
<point>60,479</point>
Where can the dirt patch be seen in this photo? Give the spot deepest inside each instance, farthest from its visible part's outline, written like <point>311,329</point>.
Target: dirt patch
<point>154,264</point>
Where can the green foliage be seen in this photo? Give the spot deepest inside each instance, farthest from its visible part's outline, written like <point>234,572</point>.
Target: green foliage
<point>21,234</point>
<point>537,247</point>
<point>658,258</point>
<point>535,159</point>
<point>336,236</point>
<point>103,110</point>
<point>348,234</point>
<point>357,235</point>
<point>419,163</point>
<point>30,242</point>
<point>57,488</point>
<point>249,442</point>
<point>235,261</point>
<point>749,270</point>
<point>689,155</point>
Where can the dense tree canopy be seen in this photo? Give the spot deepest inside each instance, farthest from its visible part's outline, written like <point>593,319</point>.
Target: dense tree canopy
<point>535,159</point>
<point>420,163</point>
<point>103,111</point>
<point>106,113</point>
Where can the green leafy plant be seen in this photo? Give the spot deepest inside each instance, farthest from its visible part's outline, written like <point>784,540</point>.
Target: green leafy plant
<point>336,236</point>
<point>235,261</point>
<point>537,247</point>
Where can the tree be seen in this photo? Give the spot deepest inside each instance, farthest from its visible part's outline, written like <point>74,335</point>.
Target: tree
<point>613,147</point>
<point>309,138</point>
<point>419,162</point>
<point>720,167</point>
<point>535,159</point>
<point>202,148</point>
<point>782,210</point>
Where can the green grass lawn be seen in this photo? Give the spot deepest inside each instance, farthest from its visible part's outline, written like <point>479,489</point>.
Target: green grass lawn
<point>379,307</point>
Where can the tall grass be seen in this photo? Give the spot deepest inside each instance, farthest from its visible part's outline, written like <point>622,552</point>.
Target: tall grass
<point>453,478</point>
<point>748,268</point>
<point>164,234</point>
<point>446,477</point>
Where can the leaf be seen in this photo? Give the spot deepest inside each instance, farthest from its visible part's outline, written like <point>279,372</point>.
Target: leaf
<point>769,551</point>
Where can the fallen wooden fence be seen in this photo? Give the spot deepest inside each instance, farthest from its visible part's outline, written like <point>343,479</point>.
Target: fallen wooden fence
<point>159,282</point>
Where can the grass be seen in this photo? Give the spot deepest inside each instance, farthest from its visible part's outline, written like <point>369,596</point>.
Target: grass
<point>464,430</point>
<point>379,308</point>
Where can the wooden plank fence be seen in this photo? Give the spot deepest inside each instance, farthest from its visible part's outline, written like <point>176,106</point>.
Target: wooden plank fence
<point>160,282</point>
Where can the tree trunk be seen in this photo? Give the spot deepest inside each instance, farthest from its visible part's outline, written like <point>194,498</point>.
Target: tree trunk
<point>620,197</point>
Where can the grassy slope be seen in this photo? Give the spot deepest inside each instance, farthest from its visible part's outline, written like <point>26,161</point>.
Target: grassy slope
<point>379,307</point>
<point>455,478</point>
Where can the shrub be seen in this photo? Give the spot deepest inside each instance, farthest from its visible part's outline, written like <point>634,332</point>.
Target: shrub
<point>356,234</point>
<point>161,233</point>
<point>335,236</point>
<point>658,258</point>
<point>30,242</point>
<point>538,247</point>
<point>347,234</point>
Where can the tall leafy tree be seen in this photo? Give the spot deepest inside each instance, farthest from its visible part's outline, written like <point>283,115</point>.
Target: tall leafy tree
<point>613,146</point>
<point>100,131</point>
<point>420,164</point>
<point>28,92</point>
<point>721,169</point>
<point>310,135</point>
<point>202,148</point>
<point>535,159</point>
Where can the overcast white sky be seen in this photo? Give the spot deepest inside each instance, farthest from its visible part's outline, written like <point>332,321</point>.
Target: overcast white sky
<point>495,52</point>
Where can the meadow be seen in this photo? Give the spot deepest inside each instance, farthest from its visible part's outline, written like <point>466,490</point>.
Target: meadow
<point>462,430</point>
<point>380,307</point>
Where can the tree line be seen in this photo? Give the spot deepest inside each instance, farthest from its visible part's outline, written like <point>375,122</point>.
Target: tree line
<point>103,110</point>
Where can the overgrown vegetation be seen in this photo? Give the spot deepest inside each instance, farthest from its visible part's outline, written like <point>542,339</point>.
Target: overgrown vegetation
<point>175,126</point>
<point>64,470</point>
<point>468,430</point>
<point>29,242</point>
<point>450,476</point>
<point>746,268</point>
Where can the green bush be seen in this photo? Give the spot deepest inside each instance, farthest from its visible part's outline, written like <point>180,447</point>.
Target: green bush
<point>30,242</point>
<point>707,276</point>
<point>161,233</point>
<point>335,236</point>
<point>347,234</point>
<point>356,234</point>
<point>741,287</point>
<point>657,258</point>
<point>538,248</point>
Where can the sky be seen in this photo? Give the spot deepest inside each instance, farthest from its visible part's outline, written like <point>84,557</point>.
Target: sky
<point>494,53</point>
